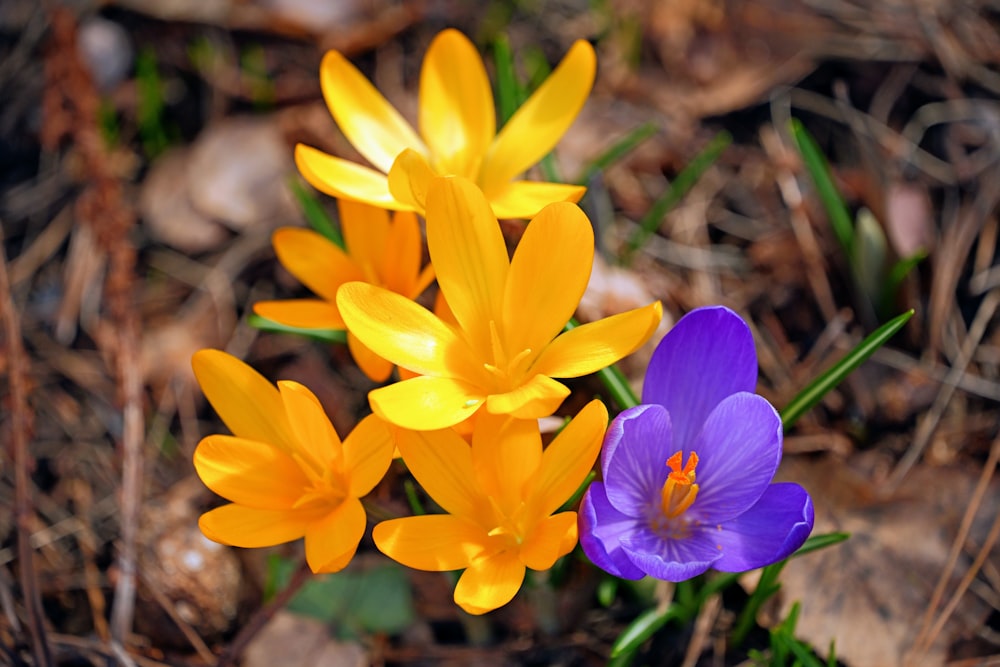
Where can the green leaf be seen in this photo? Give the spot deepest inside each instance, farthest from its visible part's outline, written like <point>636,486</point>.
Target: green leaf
<point>819,171</point>
<point>373,600</point>
<point>766,587</point>
<point>620,149</point>
<point>323,335</point>
<point>899,271</point>
<point>315,214</point>
<point>678,188</point>
<point>607,589</point>
<point>818,388</point>
<point>642,628</point>
<point>868,258</point>
<point>510,94</point>
<point>817,542</point>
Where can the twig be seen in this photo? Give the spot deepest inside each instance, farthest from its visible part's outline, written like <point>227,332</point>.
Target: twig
<point>20,420</point>
<point>929,421</point>
<point>262,616</point>
<point>924,638</point>
<point>72,98</point>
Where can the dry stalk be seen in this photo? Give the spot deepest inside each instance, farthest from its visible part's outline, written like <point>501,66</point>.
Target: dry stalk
<point>21,425</point>
<point>71,95</point>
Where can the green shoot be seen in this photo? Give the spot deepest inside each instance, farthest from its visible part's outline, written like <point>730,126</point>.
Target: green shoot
<point>322,335</point>
<point>315,214</point>
<point>678,188</point>
<point>818,388</point>
<point>819,171</point>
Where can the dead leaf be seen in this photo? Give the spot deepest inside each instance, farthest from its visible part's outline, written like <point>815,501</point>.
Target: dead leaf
<point>295,641</point>
<point>233,176</point>
<point>869,593</point>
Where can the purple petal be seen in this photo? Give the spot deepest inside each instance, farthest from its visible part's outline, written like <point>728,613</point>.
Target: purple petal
<point>634,464</point>
<point>771,530</point>
<point>601,529</point>
<point>670,559</point>
<point>707,356</point>
<point>738,450</point>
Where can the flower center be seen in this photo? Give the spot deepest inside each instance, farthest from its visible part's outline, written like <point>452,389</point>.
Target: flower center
<point>507,372</point>
<point>679,491</point>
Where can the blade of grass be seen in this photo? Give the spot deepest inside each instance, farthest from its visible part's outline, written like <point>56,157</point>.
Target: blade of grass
<point>678,188</point>
<point>322,335</point>
<point>819,172</point>
<point>766,587</point>
<point>817,542</point>
<point>818,388</point>
<point>510,94</point>
<point>618,150</point>
<point>642,628</point>
<point>315,215</point>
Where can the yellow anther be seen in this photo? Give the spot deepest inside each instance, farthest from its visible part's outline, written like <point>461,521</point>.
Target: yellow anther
<point>679,491</point>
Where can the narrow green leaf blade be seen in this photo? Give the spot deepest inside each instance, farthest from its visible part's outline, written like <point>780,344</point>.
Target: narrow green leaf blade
<point>817,542</point>
<point>818,388</point>
<point>642,628</point>
<point>618,150</point>
<point>322,335</point>
<point>819,171</point>
<point>678,188</point>
<point>315,215</point>
<point>510,93</point>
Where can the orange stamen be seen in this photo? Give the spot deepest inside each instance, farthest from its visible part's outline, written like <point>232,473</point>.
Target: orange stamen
<point>679,491</point>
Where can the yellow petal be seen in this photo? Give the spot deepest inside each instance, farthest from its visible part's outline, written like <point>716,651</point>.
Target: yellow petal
<point>302,313</point>
<point>457,116</point>
<point>409,178</point>
<point>248,404</point>
<point>370,123</point>
<point>314,260</point>
<point>593,346</point>
<point>538,397</point>
<point>344,179</point>
<point>402,255</point>
<point>375,367</point>
<point>469,256</point>
<point>433,542</point>
<point>426,403</point>
<point>249,473</point>
<point>568,459</point>
<point>442,463</point>
<point>251,527</point>
<point>537,126</point>
<point>553,537</point>
<point>399,330</point>
<point>318,442</point>
<point>489,583</point>
<point>525,199</point>
<point>332,540</point>
<point>505,455</point>
<point>548,275</point>
<point>366,231</point>
<point>367,454</point>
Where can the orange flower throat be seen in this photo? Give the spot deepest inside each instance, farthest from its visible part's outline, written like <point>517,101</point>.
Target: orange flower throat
<point>679,491</point>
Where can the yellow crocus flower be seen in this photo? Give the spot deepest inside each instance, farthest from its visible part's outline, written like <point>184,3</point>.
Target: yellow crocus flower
<point>284,469</point>
<point>500,494</point>
<point>507,345</point>
<point>378,251</point>
<point>457,130</point>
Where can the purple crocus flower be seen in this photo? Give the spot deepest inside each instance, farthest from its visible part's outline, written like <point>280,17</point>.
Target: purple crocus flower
<point>687,474</point>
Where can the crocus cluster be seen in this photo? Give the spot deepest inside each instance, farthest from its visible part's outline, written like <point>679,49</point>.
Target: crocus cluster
<point>474,375</point>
